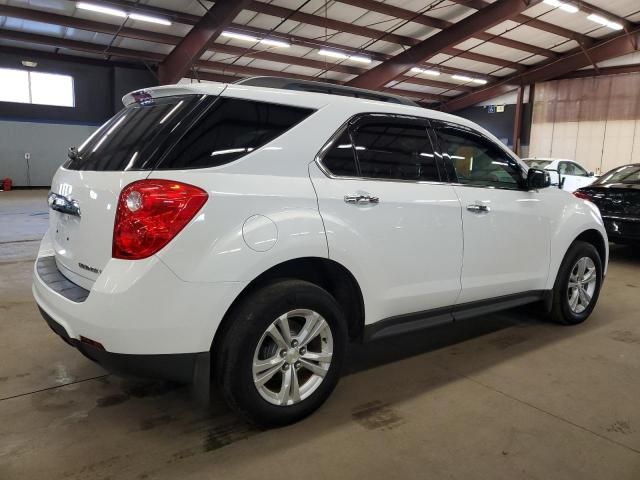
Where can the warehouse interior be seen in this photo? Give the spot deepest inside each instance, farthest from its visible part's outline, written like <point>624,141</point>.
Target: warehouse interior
<point>503,395</point>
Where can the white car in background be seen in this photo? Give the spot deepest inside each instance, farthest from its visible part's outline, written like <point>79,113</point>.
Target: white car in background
<point>572,174</point>
<point>244,235</point>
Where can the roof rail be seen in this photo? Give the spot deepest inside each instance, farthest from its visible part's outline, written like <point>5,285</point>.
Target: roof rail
<point>324,87</point>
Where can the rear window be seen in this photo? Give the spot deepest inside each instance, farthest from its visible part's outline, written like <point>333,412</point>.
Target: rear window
<point>183,132</point>
<point>230,129</point>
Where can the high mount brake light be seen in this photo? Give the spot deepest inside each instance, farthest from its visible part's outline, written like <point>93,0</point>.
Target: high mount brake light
<point>150,214</point>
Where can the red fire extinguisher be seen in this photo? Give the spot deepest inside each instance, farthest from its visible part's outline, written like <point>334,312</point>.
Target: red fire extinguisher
<point>6,184</point>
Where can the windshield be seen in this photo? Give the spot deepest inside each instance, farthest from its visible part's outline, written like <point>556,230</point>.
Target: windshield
<point>534,163</point>
<point>627,174</point>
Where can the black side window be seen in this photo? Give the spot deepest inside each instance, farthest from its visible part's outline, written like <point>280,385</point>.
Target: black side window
<point>477,161</point>
<point>394,149</point>
<point>230,129</point>
<point>340,159</point>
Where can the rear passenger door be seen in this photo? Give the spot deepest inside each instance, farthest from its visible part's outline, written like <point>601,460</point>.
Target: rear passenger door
<point>388,215</point>
<point>506,226</point>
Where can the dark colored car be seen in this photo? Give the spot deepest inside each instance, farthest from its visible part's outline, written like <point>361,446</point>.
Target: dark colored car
<point>617,195</point>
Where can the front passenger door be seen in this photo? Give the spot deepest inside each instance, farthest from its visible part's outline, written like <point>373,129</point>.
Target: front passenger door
<point>506,231</point>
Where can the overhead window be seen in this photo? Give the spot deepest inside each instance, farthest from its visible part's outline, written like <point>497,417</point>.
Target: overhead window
<point>25,86</point>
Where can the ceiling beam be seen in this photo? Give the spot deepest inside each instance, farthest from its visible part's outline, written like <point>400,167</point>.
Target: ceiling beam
<point>591,72</point>
<point>611,47</point>
<point>367,32</point>
<point>495,13</point>
<point>270,55</point>
<point>532,22</point>
<point>321,65</point>
<point>194,44</point>
<point>88,25</point>
<point>188,19</point>
<point>138,55</point>
<point>426,20</point>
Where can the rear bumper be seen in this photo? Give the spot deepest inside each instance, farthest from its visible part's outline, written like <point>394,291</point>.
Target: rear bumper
<point>135,307</point>
<point>181,367</point>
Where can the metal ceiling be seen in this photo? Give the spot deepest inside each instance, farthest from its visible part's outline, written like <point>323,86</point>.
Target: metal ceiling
<point>505,43</point>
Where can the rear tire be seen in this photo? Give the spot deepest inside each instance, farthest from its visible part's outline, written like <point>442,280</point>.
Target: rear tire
<point>274,377</point>
<point>577,286</point>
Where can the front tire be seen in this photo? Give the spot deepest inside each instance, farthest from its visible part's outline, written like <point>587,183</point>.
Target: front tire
<point>577,285</point>
<point>282,353</point>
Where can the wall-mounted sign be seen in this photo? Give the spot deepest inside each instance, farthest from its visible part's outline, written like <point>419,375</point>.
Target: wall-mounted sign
<point>500,108</point>
<point>495,109</point>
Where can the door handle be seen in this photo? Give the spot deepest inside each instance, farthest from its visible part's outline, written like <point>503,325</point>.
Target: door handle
<point>475,208</point>
<point>361,199</point>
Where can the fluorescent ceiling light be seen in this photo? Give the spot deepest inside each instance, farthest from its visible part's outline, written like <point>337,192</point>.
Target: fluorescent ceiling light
<point>425,71</point>
<point>479,81</point>
<point>332,53</point>
<point>101,9</point>
<point>147,18</point>
<point>605,22</point>
<point>567,7</point>
<point>29,63</point>
<point>239,36</point>
<point>360,58</point>
<point>462,78</point>
<point>275,43</point>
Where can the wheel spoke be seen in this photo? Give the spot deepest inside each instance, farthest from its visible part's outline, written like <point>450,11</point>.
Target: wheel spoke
<point>589,275</point>
<point>274,332</point>
<point>582,265</point>
<point>322,357</point>
<point>312,328</point>
<point>260,366</point>
<point>265,376</point>
<point>294,391</point>
<point>283,327</point>
<point>313,368</point>
<point>573,299</point>
<point>283,394</point>
<point>585,298</point>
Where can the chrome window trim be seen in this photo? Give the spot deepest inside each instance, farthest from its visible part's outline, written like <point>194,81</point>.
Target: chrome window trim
<point>351,120</point>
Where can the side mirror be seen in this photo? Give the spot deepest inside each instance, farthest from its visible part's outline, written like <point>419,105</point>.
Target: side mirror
<point>592,174</point>
<point>537,179</point>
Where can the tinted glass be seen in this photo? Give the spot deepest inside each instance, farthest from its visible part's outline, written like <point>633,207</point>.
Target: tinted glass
<point>230,129</point>
<point>340,159</point>
<point>132,137</point>
<point>478,161</point>
<point>626,174</point>
<point>395,150</point>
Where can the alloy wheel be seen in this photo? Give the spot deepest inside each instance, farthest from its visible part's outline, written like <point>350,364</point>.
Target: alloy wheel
<point>292,357</point>
<point>582,285</point>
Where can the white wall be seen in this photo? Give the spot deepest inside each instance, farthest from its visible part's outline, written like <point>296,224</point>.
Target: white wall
<point>46,142</point>
<point>594,120</point>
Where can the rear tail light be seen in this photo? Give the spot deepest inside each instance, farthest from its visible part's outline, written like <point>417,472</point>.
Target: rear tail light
<point>582,195</point>
<point>150,214</point>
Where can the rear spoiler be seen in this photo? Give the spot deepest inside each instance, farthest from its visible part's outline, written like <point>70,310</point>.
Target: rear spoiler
<point>146,95</point>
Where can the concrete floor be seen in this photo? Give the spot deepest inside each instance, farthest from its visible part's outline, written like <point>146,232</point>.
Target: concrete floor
<point>505,396</point>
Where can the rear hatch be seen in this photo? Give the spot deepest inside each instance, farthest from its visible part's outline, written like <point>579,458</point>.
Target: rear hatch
<point>85,190</point>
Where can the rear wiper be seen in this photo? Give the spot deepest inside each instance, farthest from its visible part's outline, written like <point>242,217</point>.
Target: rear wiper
<point>73,153</point>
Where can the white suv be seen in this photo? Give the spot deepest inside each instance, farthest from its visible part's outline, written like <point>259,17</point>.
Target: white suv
<point>246,234</point>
